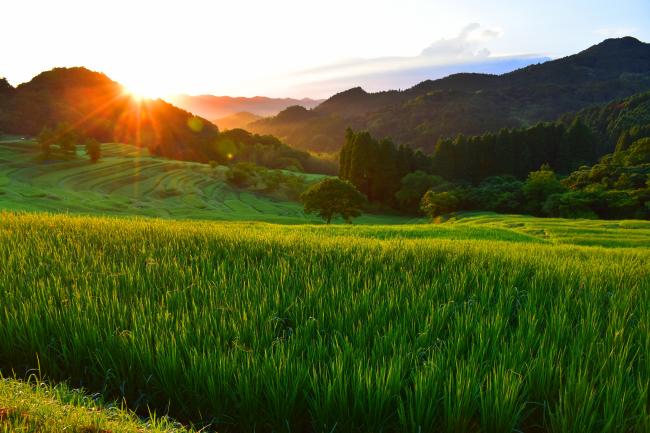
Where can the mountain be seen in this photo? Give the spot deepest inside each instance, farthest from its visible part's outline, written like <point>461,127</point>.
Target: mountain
<point>472,103</point>
<point>99,107</point>
<point>215,107</point>
<point>92,104</point>
<point>237,120</point>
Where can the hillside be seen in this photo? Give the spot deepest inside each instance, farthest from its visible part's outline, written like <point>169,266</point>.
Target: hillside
<point>215,107</point>
<point>473,103</point>
<point>237,120</point>
<point>91,104</point>
<point>97,106</point>
<point>128,181</point>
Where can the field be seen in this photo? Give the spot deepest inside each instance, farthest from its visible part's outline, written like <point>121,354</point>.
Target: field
<point>485,322</point>
<point>127,181</point>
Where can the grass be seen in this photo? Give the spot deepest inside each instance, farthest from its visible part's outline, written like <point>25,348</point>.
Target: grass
<point>485,322</point>
<point>127,181</point>
<point>35,406</point>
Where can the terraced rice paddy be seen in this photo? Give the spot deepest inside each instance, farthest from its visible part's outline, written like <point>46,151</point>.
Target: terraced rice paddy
<point>127,181</point>
<point>487,323</point>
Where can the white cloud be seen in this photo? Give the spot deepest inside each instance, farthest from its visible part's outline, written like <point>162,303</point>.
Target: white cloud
<point>466,45</point>
<point>465,52</point>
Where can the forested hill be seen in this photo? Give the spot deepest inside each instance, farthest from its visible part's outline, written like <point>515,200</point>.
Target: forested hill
<point>99,107</point>
<point>472,103</point>
<point>92,105</point>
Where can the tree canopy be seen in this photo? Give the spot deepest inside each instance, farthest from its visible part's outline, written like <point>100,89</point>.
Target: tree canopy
<point>439,203</point>
<point>331,197</point>
<point>377,167</point>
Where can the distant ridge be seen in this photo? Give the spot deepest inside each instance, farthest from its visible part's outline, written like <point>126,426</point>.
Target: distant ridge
<point>473,103</point>
<point>215,107</point>
<point>237,120</point>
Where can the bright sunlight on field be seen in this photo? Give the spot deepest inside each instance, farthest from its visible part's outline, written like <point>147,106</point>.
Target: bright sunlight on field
<point>127,181</point>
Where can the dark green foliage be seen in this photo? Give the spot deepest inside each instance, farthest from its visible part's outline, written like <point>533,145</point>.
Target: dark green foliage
<point>372,166</point>
<point>473,104</point>
<point>413,187</point>
<point>93,149</point>
<point>624,141</point>
<point>617,187</point>
<point>581,142</point>
<point>515,151</point>
<point>331,197</point>
<point>377,167</point>
<point>618,123</point>
<point>571,204</point>
<point>238,145</point>
<point>66,138</point>
<point>61,141</point>
<point>274,183</point>
<point>500,194</point>
<point>539,186</point>
<point>638,153</point>
<point>240,174</point>
<point>439,203</point>
<point>45,140</point>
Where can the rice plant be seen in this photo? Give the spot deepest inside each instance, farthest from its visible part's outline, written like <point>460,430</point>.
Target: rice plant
<point>259,327</point>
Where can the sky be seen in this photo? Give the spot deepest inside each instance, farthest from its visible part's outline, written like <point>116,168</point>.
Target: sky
<point>300,48</point>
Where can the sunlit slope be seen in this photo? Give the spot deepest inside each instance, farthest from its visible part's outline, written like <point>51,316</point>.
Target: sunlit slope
<point>127,181</point>
<point>36,407</point>
<point>606,233</point>
<point>263,327</point>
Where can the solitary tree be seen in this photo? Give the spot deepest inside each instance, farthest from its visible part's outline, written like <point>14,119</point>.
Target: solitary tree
<point>331,197</point>
<point>93,149</point>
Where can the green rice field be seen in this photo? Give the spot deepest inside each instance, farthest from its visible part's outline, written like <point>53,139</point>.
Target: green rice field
<point>127,181</point>
<point>483,323</point>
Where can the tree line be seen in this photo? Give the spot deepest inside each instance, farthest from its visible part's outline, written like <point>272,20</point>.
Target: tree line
<point>378,166</point>
<point>477,173</point>
<point>515,151</point>
<point>62,141</point>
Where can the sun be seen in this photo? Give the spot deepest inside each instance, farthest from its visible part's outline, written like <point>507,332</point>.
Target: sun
<point>138,95</point>
<point>140,90</point>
